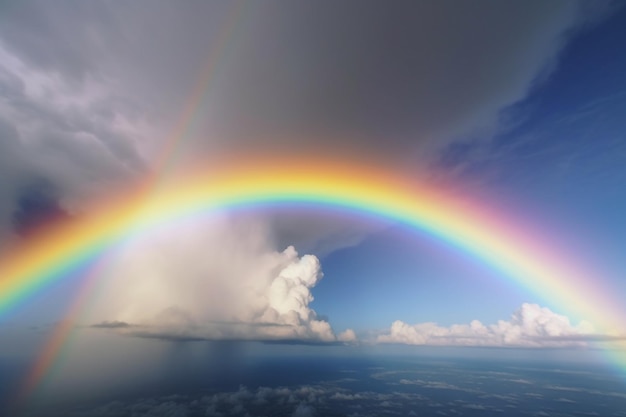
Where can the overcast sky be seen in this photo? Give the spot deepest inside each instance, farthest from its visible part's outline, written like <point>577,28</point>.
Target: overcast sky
<point>90,90</point>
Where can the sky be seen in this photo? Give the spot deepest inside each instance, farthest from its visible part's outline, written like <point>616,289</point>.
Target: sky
<point>516,106</point>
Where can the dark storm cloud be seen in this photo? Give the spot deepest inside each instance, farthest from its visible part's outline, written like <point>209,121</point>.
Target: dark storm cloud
<point>62,138</point>
<point>36,205</point>
<point>380,77</point>
<point>90,89</point>
<point>9,165</point>
<point>393,75</point>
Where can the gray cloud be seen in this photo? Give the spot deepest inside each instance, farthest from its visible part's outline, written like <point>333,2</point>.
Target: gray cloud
<point>390,77</point>
<point>91,90</point>
<point>36,205</point>
<point>53,137</point>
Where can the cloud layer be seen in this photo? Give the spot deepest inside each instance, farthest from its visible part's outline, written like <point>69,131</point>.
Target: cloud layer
<point>90,93</point>
<point>451,388</point>
<point>530,326</point>
<point>60,139</point>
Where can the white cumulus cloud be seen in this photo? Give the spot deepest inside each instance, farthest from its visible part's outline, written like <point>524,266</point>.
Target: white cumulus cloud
<point>347,336</point>
<point>214,278</point>
<point>530,326</point>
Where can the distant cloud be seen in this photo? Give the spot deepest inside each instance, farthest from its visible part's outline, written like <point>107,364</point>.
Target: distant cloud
<point>304,410</point>
<point>332,397</point>
<point>347,336</point>
<point>295,401</point>
<point>530,326</point>
<point>111,325</point>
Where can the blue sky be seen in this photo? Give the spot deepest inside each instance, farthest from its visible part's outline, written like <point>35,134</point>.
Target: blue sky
<point>401,274</point>
<point>558,157</point>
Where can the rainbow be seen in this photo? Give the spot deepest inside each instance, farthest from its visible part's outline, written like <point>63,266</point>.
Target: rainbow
<point>519,253</point>
<point>520,256</point>
<point>525,258</point>
<point>168,151</point>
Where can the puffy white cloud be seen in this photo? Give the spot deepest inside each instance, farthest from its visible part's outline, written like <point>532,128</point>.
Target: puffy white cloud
<point>347,336</point>
<point>216,278</point>
<point>530,326</point>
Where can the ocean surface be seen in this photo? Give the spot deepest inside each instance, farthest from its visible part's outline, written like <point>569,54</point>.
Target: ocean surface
<point>255,379</point>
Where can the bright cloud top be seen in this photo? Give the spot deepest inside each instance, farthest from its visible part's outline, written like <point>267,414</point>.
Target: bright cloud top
<point>530,326</point>
<point>214,279</point>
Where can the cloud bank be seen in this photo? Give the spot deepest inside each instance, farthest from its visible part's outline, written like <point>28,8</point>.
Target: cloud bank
<point>213,278</point>
<point>530,326</point>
